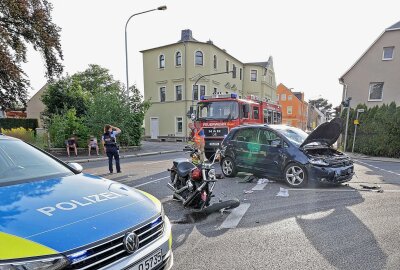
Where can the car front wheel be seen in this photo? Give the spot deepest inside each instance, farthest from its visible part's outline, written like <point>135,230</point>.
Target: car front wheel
<point>228,167</point>
<point>295,175</point>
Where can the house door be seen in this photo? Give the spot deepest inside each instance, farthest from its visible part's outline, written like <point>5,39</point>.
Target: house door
<point>154,132</point>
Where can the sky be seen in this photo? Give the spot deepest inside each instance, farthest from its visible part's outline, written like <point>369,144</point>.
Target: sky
<point>312,42</point>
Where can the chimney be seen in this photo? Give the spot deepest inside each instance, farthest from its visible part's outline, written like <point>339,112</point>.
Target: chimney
<point>186,35</point>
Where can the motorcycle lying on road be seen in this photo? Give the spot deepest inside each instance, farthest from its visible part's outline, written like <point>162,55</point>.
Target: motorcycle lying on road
<point>193,183</point>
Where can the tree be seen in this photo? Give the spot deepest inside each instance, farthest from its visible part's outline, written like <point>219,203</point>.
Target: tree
<point>322,105</point>
<point>24,22</point>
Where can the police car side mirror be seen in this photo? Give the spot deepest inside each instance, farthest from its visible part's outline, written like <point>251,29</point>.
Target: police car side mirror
<point>76,167</point>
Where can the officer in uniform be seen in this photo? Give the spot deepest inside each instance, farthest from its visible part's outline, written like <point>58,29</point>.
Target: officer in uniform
<point>110,146</point>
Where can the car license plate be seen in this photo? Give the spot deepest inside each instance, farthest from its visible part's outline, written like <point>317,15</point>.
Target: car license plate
<point>149,263</point>
<point>214,144</point>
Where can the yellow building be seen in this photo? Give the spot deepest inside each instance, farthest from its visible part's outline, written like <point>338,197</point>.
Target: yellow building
<point>171,71</point>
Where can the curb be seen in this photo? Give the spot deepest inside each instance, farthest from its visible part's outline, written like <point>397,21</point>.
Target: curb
<point>86,160</point>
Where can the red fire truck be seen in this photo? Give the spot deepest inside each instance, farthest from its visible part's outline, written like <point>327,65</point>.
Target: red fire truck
<point>218,114</point>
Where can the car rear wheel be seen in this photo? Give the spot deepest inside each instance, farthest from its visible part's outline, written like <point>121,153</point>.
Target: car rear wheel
<point>228,167</point>
<point>295,175</point>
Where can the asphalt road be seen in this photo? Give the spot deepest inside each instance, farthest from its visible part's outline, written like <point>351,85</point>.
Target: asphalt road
<point>323,227</point>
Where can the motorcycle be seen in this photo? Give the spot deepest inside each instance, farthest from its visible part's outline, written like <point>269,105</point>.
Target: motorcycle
<point>193,183</point>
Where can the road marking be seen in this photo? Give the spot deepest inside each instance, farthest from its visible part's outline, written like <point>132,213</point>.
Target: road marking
<point>233,219</point>
<point>259,187</point>
<point>140,185</point>
<point>378,168</point>
<point>313,189</point>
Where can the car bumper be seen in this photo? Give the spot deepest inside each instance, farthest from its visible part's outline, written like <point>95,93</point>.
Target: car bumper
<point>164,243</point>
<point>330,175</point>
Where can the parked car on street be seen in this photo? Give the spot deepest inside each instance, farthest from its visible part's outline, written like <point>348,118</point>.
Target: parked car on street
<point>52,216</point>
<point>288,153</point>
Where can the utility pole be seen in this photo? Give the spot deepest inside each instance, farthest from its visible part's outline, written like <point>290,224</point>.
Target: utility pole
<point>346,103</point>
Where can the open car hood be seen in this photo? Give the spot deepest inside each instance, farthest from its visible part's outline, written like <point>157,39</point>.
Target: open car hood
<point>326,133</point>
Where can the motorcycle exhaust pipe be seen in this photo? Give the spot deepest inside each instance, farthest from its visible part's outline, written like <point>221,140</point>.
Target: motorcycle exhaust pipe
<point>175,192</point>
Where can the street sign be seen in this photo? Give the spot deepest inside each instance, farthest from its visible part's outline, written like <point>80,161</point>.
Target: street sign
<point>360,110</point>
<point>356,122</point>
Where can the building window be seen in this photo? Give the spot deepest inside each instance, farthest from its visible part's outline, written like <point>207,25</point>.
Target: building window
<point>195,92</point>
<point>215,62</point>
<point>289,97</point>
<point>283,97</point>
<point>375,91</point>
<point>178,59</point>
<point>233,71</point>
<point>161,62</point>
<point>227,65</point>
<point>202,90</point>
<point>277,97</point>
<point>240,73</point>
<point>178,92</point>
<point>289,110</point>
<point>162,94</point>
<point>179,124</point>
<point>388,53</point>
<point>199,58</point>
<point>253,75</point>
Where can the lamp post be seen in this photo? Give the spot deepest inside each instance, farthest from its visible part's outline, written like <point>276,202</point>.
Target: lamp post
<point>346,103</point>
<point>355,128</point>
<point>126,42</point>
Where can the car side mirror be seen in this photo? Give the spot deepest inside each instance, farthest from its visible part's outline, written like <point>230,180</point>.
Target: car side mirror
<point>76,167</point>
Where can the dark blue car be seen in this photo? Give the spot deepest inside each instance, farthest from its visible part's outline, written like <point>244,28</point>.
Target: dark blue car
<point>288,153</point>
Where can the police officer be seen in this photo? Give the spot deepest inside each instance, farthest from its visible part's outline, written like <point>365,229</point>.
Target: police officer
<point>110,146</point>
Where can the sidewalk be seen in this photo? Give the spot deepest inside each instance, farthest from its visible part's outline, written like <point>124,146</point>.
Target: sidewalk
<point>146,149</point>
<point>365,157</point>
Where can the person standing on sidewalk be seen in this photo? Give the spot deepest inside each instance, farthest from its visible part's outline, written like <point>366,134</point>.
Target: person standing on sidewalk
<point>110,146</point>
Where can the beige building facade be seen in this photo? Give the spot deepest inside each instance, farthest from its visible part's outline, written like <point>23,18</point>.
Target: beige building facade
<point>171,71</point>
<point>374,78</point>
<point>35,106</point>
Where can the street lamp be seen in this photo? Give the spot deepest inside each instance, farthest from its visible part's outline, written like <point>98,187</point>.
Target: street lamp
<point>126,42</point>
<point>346,103</point>
<point>355,127</point>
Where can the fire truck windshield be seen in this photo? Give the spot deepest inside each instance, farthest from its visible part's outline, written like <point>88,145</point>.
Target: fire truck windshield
<point>217,110</point>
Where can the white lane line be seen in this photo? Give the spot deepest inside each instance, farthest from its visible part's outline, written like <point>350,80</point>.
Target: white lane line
<point>259,187</point>
<point>233,219</point>
<point>377,167</point>
<point>325,190</point>
<point>140,185</point>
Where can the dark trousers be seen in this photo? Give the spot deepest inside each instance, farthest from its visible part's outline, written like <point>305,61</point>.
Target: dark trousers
<point>113,152</point>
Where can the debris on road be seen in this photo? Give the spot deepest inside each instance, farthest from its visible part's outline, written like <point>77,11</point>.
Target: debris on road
<point>248,191</point>
<point>248,179</point>
<point>264,181</point>
<point>283,192</point>
<point>370,187</point>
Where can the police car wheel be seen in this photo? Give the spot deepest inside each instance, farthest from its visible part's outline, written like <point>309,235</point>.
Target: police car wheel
<point>228,167</point>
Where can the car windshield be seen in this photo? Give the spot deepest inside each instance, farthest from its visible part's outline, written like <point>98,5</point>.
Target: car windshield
<point>217,110</point>
<point>21,162</point>
<point>295,135</point>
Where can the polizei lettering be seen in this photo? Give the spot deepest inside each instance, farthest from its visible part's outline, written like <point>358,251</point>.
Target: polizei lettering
<point>84,201</point>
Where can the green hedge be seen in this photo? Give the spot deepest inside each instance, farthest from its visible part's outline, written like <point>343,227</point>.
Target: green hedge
<point>10,123</point>
<point>379,131</point>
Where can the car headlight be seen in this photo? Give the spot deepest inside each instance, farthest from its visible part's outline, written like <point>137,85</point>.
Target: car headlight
<point>211,174</point>
<point>50,263</point>
<point>319,162</point>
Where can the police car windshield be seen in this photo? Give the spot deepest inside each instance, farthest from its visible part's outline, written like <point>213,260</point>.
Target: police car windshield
<point>22,162</point>
<point>217,110</point>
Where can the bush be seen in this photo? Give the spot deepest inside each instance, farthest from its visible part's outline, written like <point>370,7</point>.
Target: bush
<point>26,123</point>
<point>27,135</point>
<point>379,131</point>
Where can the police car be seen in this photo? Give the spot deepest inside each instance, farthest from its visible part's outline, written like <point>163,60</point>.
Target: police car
<point>52,216</point>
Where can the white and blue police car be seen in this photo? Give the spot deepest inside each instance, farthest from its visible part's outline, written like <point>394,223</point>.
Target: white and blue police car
<point>52,216</point>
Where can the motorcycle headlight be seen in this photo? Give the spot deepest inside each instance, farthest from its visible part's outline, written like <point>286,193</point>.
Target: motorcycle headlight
<point>211,174</point>
<point>318,162</point>
<point>49,263</point>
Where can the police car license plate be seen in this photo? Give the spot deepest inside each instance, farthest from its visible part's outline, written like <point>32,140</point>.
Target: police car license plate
<point>149,263</point>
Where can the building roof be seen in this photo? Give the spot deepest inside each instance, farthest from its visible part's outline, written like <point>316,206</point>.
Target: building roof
<point>394,27</point>
<point>266,64</point>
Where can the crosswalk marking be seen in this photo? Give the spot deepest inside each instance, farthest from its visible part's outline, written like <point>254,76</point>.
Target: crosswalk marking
<point>233,219</point>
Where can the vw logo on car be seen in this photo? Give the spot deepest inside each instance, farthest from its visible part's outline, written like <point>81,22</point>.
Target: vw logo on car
<point>131,242</point>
